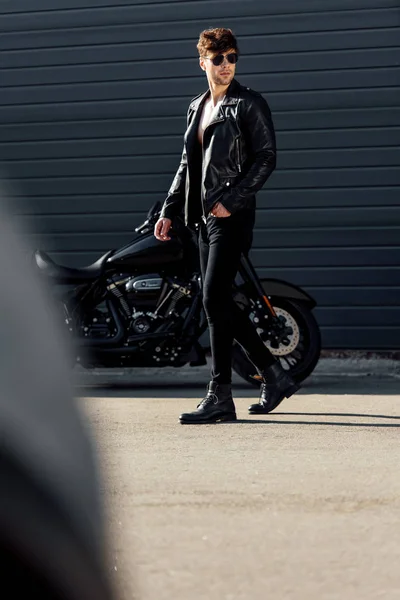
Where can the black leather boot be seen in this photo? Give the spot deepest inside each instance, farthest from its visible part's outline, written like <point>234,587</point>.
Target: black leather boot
<point>277,384</point>
<point>216,406</point>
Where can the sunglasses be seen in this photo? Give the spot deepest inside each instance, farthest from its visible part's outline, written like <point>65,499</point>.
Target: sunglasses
<point>219,59</point>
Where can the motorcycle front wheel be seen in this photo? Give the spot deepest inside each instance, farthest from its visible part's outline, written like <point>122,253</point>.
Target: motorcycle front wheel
<point>298,353</point>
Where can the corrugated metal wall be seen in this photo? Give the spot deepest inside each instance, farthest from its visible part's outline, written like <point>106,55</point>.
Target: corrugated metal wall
<point>92,108</point>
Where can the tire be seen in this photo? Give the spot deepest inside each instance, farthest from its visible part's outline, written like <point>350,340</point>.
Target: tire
<point>308,345</point>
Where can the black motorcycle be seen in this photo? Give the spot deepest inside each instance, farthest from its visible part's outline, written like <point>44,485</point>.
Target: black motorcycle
<point>141,306</point>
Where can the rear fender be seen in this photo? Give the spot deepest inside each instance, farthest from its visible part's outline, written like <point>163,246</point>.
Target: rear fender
<point>282,289</point>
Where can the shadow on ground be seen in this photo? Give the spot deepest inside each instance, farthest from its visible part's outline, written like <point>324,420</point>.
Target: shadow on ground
<point>276,421</point>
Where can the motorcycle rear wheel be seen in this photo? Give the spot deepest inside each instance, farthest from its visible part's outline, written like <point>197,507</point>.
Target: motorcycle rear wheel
<point>300,357</point>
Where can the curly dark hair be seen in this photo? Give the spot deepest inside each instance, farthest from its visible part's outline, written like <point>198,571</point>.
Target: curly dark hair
<point>217,40</point>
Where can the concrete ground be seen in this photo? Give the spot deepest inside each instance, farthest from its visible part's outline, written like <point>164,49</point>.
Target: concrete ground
<point>301,504</point>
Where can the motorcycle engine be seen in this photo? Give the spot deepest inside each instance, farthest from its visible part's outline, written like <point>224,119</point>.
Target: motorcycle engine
<point>148,303</point>
<point>148,300</point>
<point>159,295</point>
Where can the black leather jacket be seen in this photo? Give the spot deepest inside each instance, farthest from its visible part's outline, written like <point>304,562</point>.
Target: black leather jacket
<point>239,154</point>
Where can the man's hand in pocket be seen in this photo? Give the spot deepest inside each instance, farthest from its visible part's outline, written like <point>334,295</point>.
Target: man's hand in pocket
<point>219,210</point>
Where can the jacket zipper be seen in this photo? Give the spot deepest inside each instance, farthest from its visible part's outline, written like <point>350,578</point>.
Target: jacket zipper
<point>202,161</point>
<point>202,175</point>
<point>239,166</point>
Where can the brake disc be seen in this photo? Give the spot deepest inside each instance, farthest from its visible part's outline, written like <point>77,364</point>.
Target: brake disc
<point>294,337</point>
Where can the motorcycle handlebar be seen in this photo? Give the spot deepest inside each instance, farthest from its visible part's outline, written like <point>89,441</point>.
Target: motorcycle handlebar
<point>148,223</point>
<point>143,226</point>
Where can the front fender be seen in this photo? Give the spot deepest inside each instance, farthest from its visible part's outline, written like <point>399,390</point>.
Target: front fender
<point>282,289</point>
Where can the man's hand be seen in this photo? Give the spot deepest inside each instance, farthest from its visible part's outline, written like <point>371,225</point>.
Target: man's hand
<point>219,210</point>
<point>162,228</point>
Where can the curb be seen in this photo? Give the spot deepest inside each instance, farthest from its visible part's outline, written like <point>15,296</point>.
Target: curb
<point>356,367</point>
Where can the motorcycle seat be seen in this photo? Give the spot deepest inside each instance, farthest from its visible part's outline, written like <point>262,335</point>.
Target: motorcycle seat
<point>62,274</point>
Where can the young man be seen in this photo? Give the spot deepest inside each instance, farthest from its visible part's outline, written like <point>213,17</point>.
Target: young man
<point>229,153</point>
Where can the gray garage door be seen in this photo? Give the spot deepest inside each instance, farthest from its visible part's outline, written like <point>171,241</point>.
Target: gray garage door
<point>92,108</point>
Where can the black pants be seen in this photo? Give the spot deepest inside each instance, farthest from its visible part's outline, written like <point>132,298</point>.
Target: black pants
<point>221,243</point>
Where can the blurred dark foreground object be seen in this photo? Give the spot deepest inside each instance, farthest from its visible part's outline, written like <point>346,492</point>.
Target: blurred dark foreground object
<point>51,526</point>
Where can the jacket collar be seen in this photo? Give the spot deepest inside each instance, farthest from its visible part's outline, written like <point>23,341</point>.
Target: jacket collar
<point>231,97</point>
